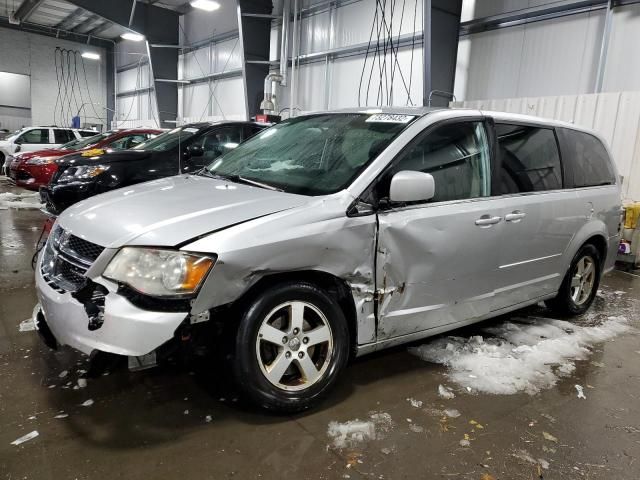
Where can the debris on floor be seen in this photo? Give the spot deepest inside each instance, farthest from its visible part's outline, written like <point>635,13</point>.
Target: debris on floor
<point>414,403</point>
<point>445,392</point>
<point>25,438</point>
<point>580,391</point>
<point>27,325</point>
<point>354,432</point>
<point>549,437</point>
<point>87,403</point>
<point>521,355</point>
<point>19,200</point>
<point>61,415</point>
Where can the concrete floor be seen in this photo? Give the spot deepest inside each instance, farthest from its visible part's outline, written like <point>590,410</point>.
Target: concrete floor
<point>153,424</point>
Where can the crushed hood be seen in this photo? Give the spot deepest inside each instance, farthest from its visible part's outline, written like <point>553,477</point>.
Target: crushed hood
<point>170,211</point>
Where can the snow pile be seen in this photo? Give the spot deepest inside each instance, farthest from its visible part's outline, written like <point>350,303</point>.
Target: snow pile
<point>19,200</point>
<point>528,355</point>
<point>353,432</point>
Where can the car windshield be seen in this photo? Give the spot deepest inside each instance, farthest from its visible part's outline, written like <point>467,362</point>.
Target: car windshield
<point>311,155</point>
<point>168,140</point>
<point>80,143</point>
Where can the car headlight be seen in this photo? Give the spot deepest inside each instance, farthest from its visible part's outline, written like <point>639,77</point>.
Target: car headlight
<point>159,273</point>
<point>41,160</point>
<point>83,172</point>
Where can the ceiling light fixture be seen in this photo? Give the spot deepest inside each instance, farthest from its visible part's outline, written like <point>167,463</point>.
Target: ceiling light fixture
<point>208,5</point>
<point>134,37</point>
<point>91,55</point>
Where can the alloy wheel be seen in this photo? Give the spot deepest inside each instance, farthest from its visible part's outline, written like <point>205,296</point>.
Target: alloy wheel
<point>294,345</point>
<point>583,280</point>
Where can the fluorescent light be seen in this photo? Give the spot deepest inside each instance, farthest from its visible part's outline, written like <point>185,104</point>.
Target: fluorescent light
<point>134,37</point>
<point>91,55</point>
<point>208,5</point>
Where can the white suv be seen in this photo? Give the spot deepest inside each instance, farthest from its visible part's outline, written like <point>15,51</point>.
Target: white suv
<point>37,138</point>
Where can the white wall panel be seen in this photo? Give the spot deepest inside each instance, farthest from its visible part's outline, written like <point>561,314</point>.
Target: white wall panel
<point>554,57</point>
<point>195,100</point>
<point>127,108</point>
<point>623,65</point>
<point>196,63</point>
<point>314,35</point>
<point>229,99</point>
<point>615,116</point>
<point>227,55</point>
<point>34,55</point>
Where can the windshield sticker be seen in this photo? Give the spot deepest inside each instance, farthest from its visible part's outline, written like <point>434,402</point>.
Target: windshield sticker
<point>390,118</point>
<point>191,130</point>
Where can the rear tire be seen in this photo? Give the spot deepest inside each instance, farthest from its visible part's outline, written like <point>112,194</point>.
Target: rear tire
<point>580,284</point>
<point>291,344</point>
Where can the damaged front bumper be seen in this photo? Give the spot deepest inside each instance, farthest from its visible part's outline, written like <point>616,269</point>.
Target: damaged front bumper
<point>125,329</point>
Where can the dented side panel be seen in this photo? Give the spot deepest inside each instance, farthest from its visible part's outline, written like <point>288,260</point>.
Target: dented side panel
<point>436,266</point>
<point>332,243</point>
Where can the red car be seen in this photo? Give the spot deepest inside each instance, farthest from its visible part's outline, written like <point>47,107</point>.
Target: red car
<point>32,169</point>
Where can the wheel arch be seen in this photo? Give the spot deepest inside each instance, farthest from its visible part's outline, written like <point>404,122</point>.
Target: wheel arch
<point>336,287</point>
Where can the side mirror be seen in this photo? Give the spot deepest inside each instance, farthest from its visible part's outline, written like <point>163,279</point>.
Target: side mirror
<point>409,186</point>
<point>195,151</point>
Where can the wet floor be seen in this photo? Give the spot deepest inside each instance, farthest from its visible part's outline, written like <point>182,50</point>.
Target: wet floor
<point>188,422</point>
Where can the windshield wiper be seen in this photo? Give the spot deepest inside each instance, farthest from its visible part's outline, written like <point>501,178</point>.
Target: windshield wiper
<point>239,179</point>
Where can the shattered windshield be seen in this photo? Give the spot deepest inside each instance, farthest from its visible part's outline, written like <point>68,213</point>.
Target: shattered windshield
<point>311,155</point>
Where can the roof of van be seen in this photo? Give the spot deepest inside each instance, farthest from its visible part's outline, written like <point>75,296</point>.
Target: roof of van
<point>500,116</point>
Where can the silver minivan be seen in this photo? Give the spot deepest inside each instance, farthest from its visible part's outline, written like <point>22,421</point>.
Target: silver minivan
<point>333,235</point>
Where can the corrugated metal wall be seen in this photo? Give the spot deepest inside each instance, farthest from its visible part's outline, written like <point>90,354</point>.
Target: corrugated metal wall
<point>334,83</point>
<point>616,116</point>
<point>551,57</point>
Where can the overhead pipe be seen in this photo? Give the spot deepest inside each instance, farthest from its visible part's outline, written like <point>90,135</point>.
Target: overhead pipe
<point>284,41</point>
<point>293,59</point>
<point>270,102</point>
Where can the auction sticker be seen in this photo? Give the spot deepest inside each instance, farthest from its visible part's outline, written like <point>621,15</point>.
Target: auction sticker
<point>390,118</point>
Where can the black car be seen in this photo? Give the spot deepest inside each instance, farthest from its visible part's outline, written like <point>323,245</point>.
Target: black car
<point>182,150</point>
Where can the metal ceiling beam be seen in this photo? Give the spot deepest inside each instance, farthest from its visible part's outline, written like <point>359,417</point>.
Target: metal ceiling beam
<point>89,22</point>
<point>26,9</point>
<point>158,25</point>
<point>534,14</point>
<point>70,20</point>
<point>103,27</point>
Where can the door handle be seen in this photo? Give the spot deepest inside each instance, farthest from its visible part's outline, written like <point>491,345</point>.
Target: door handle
<point>515,216</point>
<point>487,221</point>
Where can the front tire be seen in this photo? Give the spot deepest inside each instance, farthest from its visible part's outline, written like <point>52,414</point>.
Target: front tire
<point>580,284</point>
<point>291,344</point>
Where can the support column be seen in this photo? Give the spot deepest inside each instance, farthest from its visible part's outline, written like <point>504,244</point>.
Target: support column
<point>441,27</point>
<point>254,23</point>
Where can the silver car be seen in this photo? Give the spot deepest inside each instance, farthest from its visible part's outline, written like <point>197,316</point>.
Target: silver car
<point>332,235</point>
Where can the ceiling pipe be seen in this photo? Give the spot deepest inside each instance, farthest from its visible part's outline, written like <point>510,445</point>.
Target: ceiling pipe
<point>284,41</point>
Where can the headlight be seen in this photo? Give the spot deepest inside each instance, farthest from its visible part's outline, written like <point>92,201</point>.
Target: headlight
<point>41,160</point>
<point>83,172</point>
<point>159,273</point>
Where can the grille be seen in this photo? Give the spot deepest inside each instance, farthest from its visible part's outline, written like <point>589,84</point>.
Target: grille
<point>83,248</point>
<point>66,259</point>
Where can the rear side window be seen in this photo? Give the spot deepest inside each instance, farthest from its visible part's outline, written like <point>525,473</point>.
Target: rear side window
<point>63,136</point>
<point>530,159</point>
<point>591,164</point>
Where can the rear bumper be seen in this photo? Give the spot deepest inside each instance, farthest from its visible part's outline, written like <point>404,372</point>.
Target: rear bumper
<point>127,330</point>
